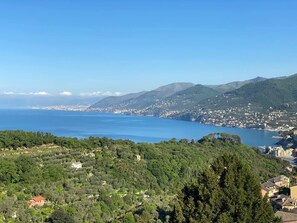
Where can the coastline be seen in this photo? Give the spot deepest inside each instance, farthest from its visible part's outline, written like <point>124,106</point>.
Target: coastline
<point>83,124</point>
<point>84,108</point>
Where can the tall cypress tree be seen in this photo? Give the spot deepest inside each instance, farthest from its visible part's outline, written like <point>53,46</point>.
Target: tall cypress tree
<point>226,192</point>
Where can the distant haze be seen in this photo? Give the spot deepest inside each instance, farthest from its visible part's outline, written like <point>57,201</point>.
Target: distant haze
<point>12,101</point>
<point>66,98</point>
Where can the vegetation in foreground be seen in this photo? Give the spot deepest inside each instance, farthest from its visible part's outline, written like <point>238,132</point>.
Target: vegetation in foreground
<point>226,192</point>
<point>118,180</point>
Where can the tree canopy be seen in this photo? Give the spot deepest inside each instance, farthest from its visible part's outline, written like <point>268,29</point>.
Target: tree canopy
<point>119,181</point>
<point>225,192</point>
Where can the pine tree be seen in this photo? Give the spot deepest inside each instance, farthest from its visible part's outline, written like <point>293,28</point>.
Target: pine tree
<point>226,192</point>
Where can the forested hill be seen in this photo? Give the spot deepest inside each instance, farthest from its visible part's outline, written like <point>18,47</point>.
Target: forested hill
<point>257,103</point>
<point>276,93</point>
<point>114,101</point>
<point>172,97</point>
<point>181,100</point>
<point>139,100</point>
<point>234,85</point>
<point>117,179</point>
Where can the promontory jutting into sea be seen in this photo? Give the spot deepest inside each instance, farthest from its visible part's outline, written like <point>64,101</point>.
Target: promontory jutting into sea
<point>116,126</point>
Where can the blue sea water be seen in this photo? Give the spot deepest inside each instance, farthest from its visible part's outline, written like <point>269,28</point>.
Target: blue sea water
<point>116,126</point>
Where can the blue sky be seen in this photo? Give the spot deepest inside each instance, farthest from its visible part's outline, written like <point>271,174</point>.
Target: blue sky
<point>109,46</point>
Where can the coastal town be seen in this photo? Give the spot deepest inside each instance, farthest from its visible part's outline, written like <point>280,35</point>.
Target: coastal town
<point>62,108</point>
<point>285,148</point>
<point>234,116</point>
<point>244,117</point>
<point>281,192</point>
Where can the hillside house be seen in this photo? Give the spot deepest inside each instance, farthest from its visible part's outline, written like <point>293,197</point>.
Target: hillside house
<point>282,201</point>
<point>36,201</point>
<point>280,181</point>
<point>76,165</point>
<point>138,157</point>
<point>280,151</point>
<point>269,188</point>
<point>293,191</point>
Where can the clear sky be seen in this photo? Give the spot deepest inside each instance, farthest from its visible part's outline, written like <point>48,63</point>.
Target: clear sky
<point>84,46</point>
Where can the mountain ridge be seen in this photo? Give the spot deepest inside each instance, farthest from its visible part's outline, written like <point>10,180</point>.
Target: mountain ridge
<point>234,84</point>
<point>140,100</point>
<point>165,95</point>
<point>269,104</point>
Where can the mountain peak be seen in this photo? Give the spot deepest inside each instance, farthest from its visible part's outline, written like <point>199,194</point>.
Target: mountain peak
<point>258,78</point>
<point>178,86</point>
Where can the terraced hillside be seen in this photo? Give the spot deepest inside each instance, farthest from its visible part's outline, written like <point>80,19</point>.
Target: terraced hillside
<point>104,180</point>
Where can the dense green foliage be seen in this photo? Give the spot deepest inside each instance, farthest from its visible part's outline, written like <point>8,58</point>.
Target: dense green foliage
<point>226,192</point>
<point>187,99</point>
<point>60,216</point>
<point>278,94</point>
<point>271,92</point>
<point>15,139</point>
<point>222,137</point>
<point>119,180</point>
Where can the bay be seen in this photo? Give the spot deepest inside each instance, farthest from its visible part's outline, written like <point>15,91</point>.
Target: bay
<point>118,126</point>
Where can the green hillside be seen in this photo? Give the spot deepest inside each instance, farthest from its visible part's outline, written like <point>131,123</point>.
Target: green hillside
<point>188,98</point>
<point>176,96</point>
<point>114,101</point>
<point>139,100</point>
<point>234,85</point>
<point>257,103</point>
<point>182,99</point>
<point>118,178</point>
<point>270,93</point>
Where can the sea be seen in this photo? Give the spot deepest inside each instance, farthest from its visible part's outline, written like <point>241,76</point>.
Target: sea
<point>118,126</point>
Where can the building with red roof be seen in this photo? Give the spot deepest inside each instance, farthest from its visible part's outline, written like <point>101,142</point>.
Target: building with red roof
<point>36,201</point>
